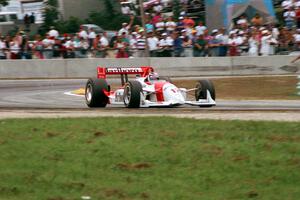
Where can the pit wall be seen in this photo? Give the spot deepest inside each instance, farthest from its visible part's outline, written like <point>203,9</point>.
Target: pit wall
<point>185,67</point>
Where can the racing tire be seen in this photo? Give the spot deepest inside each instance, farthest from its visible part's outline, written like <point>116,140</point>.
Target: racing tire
<point>201,91</point>
<point>94,93</point>
<point>132,94</point>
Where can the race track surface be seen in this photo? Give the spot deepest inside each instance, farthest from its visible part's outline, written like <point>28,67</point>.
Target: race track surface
<point>21,95</point>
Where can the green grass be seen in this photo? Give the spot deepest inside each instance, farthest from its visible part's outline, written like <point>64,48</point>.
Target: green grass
<point>148,158</point>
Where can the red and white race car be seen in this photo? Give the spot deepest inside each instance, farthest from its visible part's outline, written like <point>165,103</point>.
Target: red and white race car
<point>146,90</point>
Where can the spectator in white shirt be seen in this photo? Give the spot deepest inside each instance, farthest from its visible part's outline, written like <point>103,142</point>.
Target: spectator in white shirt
<point>125,27</point>
<point>275,31</point>
<point>48,43</point>
<point>297,3</point>
<point>70,47</point>
<point>297,39</point>
<point>289,18</point>
<point>233,44</point>
<point>157,7</point>
<point>141,43</point>
<point>82,33</point>
<point>170,25</point>
<point>153,42</point>
<point>165,3</point>
<point>165,45</point>
<point>2,49</point>
<point>14,48</point>
<point>125,9</point>
<point>81,46</point>
<point>223,38</point>
<point>53,32</point>
<point>104,40</point>
<point>160,25</point>
<point>242,22</point>
<point>287,4</point>
<point>133,44</point>
<point>91,36</point>
<point>267,44</point>
<point>200,28</point>
<point>253,42</point>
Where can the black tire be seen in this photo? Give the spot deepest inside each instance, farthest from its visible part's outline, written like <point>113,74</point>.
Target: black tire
<point>166,78</point>
<point>94,93</point>
<point>132,94</point>
<point>202,87</point>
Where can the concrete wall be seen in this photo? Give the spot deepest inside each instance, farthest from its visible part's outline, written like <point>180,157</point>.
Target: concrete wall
<point>208,66</point>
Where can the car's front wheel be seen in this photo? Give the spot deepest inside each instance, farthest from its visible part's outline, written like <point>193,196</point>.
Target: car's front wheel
<point>132,94</point>
<point>201,92</point>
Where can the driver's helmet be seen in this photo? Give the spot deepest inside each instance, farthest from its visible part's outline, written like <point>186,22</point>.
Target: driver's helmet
<point>153,76</point>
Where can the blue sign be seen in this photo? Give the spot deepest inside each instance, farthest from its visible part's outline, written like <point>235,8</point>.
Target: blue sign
<point>226,5</point>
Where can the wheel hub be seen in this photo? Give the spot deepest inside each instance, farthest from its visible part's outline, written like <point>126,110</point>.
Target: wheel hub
<point>88,93</point>
<point>127,95</point>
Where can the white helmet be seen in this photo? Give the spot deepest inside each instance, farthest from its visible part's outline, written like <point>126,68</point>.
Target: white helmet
<point>153,76</point>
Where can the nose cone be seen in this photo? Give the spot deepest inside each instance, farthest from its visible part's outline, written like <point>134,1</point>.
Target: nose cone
<point>172,94</point>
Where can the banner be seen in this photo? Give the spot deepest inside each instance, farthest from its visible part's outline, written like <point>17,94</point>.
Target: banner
<point>220,13</point>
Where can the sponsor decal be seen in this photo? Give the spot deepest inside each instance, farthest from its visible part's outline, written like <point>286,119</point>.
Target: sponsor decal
<point>120,70</point>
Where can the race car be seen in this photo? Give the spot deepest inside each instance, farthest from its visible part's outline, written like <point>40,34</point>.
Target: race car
<point>147,89</point>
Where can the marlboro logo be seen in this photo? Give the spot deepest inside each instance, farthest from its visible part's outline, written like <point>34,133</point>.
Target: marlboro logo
<point>119,70</point>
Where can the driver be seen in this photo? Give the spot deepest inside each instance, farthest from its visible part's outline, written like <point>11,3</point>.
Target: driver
<point>153,76</point>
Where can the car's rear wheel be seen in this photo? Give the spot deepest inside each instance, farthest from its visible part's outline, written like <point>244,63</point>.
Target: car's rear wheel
<point>132,94</point>
<point>202,87</point>
<point>94,93</point>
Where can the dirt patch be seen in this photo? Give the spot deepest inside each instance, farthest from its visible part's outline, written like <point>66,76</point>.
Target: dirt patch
<point>268,147</point>
<point>213,150</point>
<point>136,166</point>
<point>96,135</point>
<point>240,158</point>
<point>122,130</point>
<point>56,198</point>
<point>144,195</point>
<point>294,162</point>
<point>74,185</point>
<point>171,134</point>
<point>252,194</point>
<point>115,193</point>
<point>99,134</point>
<point>283,138</point>
<point>9,190</point>
<point>51,135</point>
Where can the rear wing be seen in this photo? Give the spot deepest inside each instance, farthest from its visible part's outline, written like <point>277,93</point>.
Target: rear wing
<point>142,71</point>
<point>102,72</point>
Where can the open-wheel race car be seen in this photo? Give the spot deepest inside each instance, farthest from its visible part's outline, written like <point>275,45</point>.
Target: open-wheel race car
<point>146,90</point>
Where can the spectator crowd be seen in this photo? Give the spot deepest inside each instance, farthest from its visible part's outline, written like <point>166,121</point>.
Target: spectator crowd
<point>186,37</point>
<point>165,36</point>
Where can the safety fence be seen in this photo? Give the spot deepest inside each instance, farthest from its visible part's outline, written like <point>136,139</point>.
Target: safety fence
<point>180,67</point>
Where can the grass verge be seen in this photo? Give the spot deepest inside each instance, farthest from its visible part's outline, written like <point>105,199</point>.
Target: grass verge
<point>148,158</point>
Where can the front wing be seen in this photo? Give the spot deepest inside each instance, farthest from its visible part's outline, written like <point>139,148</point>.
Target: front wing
<point>201,102</point>
<point>116,99</point>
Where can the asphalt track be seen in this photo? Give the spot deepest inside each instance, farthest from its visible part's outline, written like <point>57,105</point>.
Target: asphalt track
<point>50,94</point>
